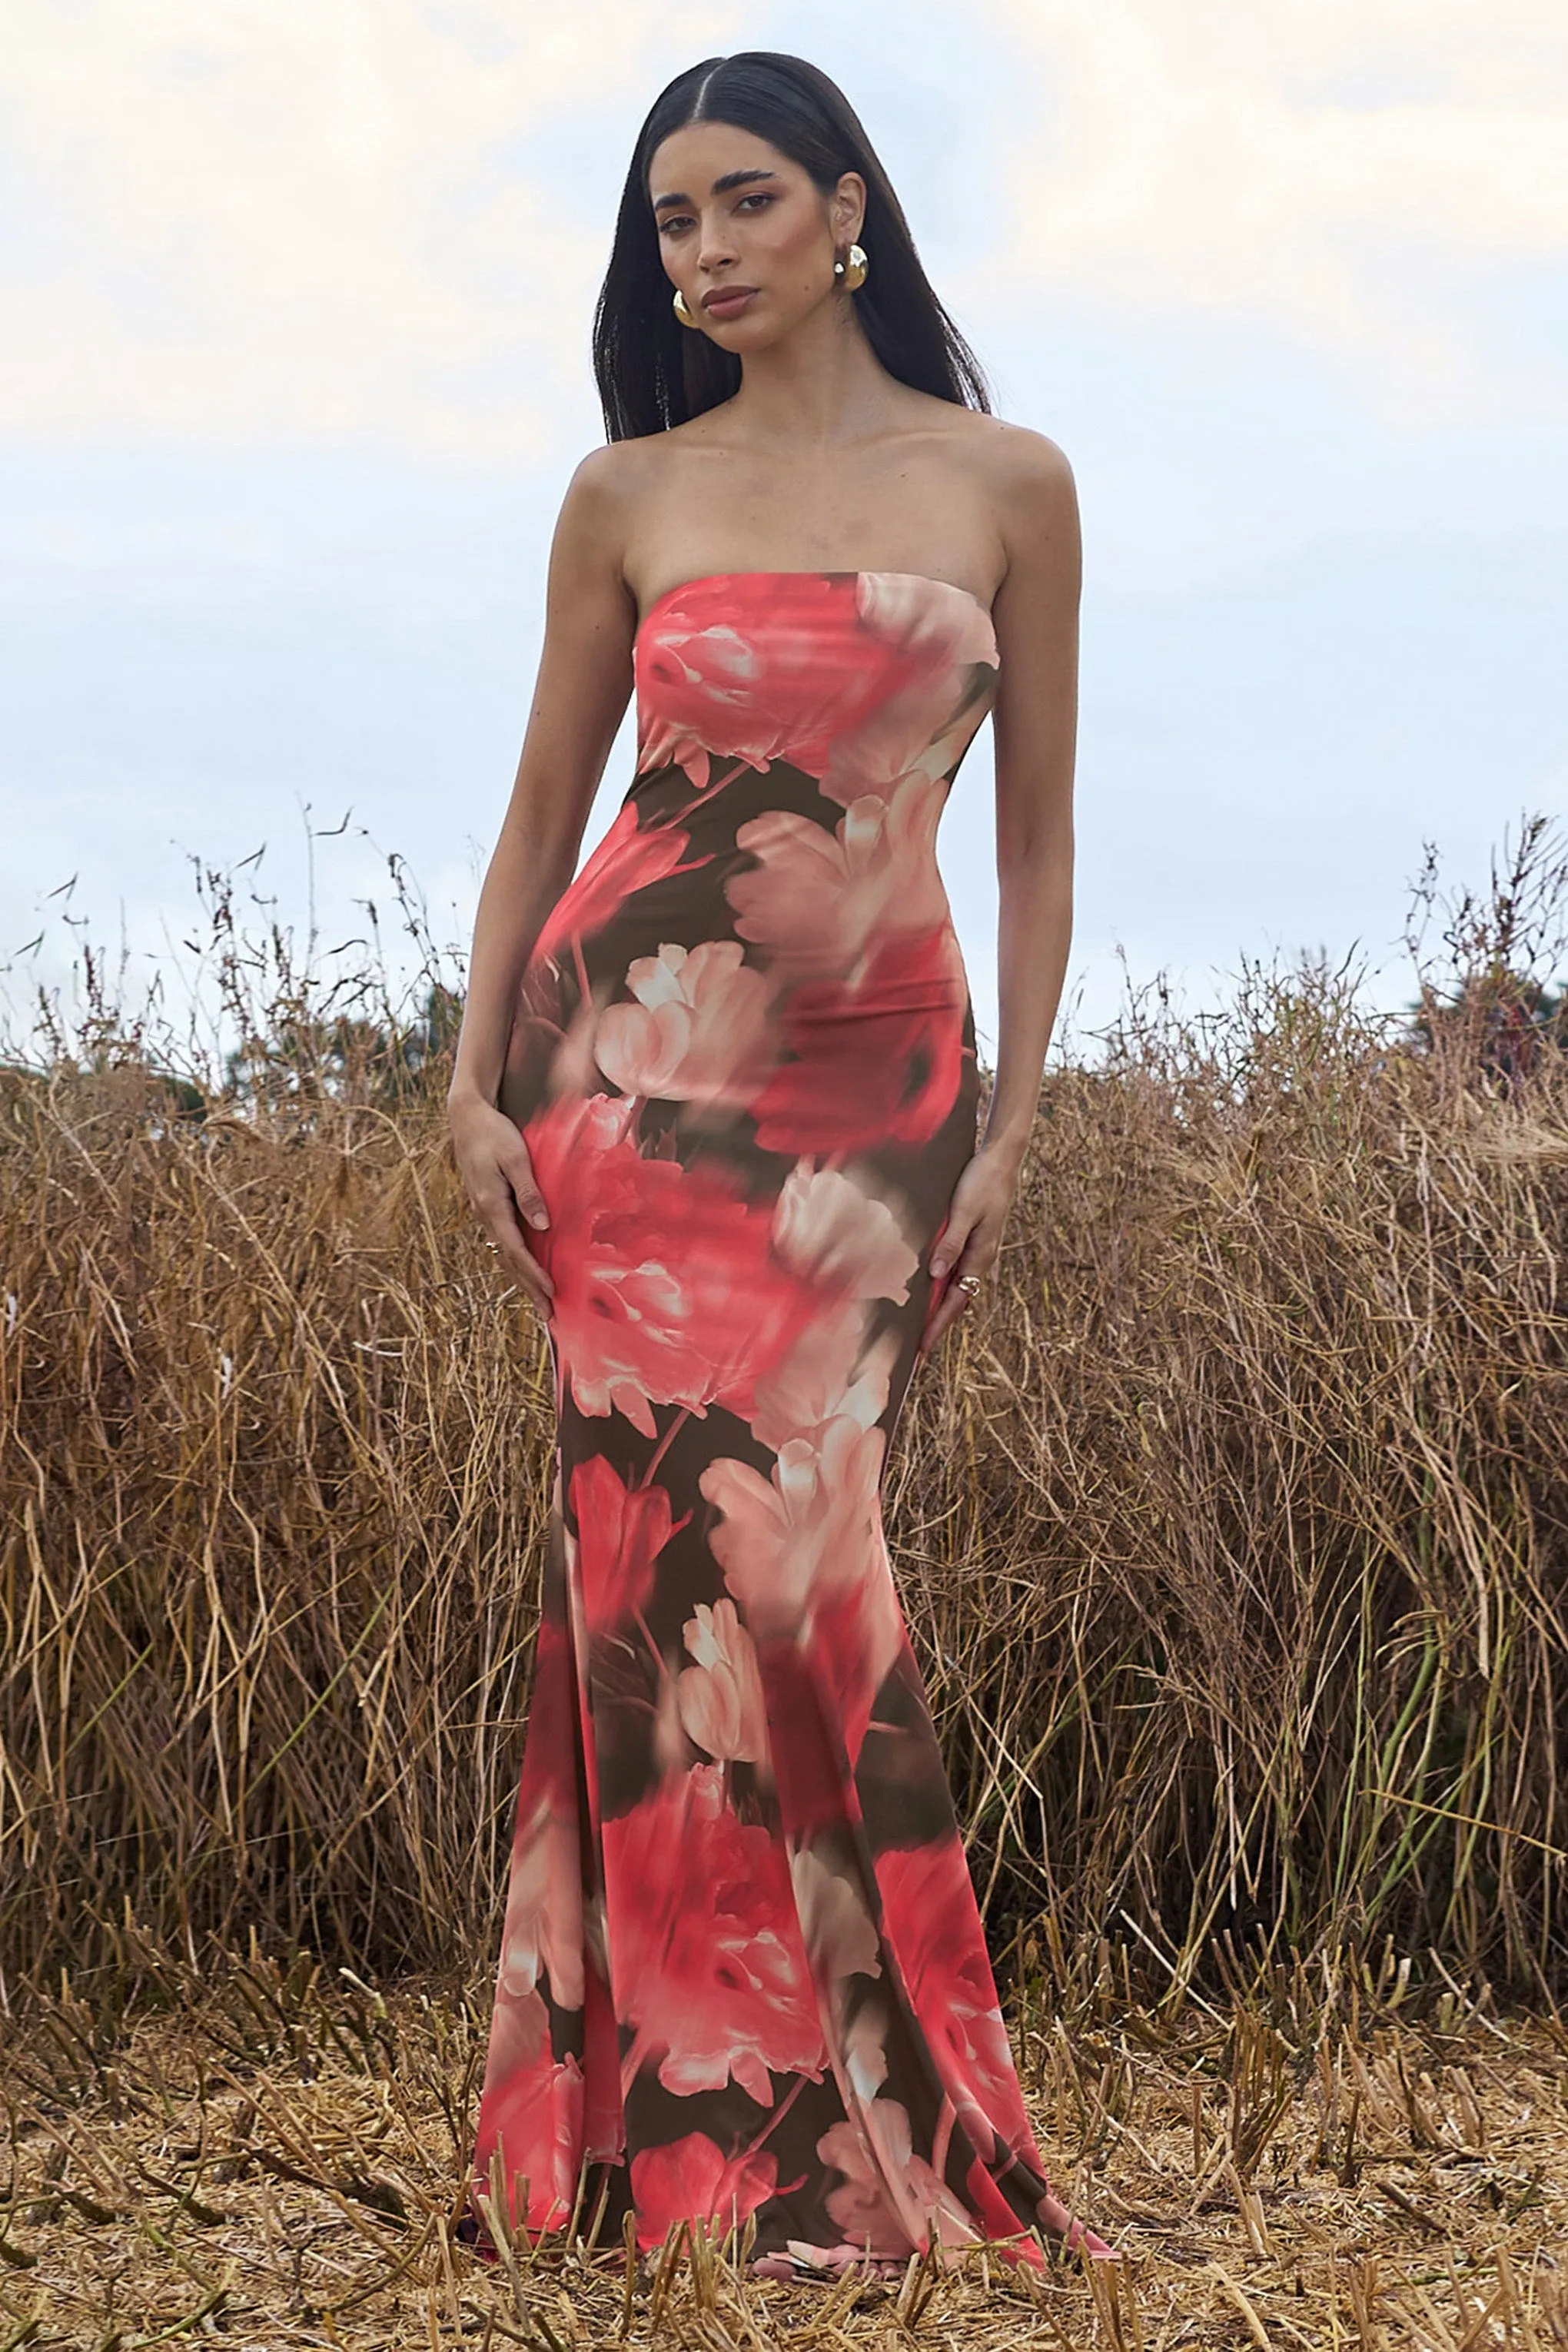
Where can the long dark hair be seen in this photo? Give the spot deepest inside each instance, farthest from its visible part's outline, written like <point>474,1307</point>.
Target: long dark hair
<point>652,371</point>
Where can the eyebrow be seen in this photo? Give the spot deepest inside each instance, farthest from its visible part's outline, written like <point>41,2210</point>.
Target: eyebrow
<point>725,181</point>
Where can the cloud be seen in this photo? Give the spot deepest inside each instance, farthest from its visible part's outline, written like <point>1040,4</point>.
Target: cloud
<point>1349,172</point>
<point>329,219</point>
<point>384,222</point>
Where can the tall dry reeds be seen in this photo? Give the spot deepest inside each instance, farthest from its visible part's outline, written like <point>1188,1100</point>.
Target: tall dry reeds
<point>1232,1529</point>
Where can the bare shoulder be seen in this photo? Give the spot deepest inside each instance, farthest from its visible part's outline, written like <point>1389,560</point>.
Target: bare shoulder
<point>1028,470</point>
<point>607,489</point>
<point>1034,497</point>
<point>619,480</point>
<point>601,492</point>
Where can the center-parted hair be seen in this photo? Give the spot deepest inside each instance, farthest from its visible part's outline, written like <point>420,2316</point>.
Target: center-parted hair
<point>652,371</point>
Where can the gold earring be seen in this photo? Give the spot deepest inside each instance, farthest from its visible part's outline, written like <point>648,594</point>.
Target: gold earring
<point>855,275</point>
<point>683,312</point>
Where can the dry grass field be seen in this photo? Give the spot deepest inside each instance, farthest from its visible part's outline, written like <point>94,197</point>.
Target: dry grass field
<point>275,2157</point>
<point>1233,1534</point>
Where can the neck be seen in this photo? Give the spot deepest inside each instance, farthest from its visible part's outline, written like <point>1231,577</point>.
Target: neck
<point>821,385</point>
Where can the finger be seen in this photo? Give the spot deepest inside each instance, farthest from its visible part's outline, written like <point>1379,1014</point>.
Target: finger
<point>951,1243</point>
<point>522,1261</point>
<point>954,1303</point>
<point>518,1168</point>
<point>494,1195</point>
<point>536,1301</point>
<point>980,1251</point>
<point>500,1221</point>
<point>530,1287</point>
<point>944,1312</point>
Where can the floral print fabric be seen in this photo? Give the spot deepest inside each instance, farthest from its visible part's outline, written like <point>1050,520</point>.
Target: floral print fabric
<point>742,1971</point>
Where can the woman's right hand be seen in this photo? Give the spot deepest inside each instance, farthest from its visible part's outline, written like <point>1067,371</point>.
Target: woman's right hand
<point>498,1176</point>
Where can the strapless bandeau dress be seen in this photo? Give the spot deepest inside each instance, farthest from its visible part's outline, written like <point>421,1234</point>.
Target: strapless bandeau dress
<point>742,1974</point>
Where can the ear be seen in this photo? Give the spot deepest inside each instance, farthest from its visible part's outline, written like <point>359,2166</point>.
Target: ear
<point>849,207</point>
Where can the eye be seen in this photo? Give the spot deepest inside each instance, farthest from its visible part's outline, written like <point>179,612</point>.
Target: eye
<point>683,220</point>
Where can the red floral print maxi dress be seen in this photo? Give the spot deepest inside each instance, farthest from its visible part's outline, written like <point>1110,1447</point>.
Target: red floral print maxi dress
<point>742,1971</point>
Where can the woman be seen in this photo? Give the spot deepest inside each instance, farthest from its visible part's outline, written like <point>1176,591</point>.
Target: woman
<point>715,1105</point>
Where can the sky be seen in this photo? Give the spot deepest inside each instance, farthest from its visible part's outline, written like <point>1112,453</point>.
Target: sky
<point>295,300</point>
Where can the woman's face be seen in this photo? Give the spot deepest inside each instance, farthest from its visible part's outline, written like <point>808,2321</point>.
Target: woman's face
<point>732,213</point>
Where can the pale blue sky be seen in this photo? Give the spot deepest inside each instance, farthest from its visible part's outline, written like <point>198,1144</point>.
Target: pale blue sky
<point>301,299</point>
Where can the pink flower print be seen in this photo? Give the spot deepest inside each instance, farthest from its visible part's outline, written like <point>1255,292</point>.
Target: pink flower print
<point>519,2032</point>
<point>550,1759</point>
<point>692,695</point>
<point>934,1925</point>
<point>536,2118</point>
<point>1000,2225</point>
<point>804,1533</point>
<point>804,1555</point>
<point>1058,2222</point>
<point>828,1372</point>
<point>840,1933</point>
<point>543,1927</point>
<point>697,1031</point>
<point>671,1745</point>
<point>816,901</point>
<point>668,1291</point>
<point>623,1531</point>
<point>573,1069</point>
<point>801,899</point>
<point>713,679</point>
<point>943,624</point>
<point>939,646</point>
<point>596,1128</point>
<point>872,1064</point>
<point>708,1962</point>
<point>627,858</point>
<point>690,2180</point>
<point>721,1696</point>
<point>860,1632</point>
<point>863,2045</point>
<point>829,1232</point>
<point>889,2196</point>
<point>603,2117</point>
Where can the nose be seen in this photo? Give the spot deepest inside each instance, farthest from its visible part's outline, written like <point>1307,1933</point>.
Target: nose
<point>717,247</point>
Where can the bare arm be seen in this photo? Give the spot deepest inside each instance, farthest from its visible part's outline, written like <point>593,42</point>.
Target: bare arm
<point>1035,726</point>
<point>580,696</point>
<point>581,693</point>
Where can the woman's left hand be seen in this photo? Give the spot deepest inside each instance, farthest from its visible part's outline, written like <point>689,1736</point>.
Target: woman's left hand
<point>969,1242</point>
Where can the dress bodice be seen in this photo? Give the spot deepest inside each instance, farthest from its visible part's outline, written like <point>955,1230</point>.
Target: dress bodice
<point>856,679</point>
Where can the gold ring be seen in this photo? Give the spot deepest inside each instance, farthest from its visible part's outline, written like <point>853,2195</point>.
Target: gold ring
<point>968,1282</point>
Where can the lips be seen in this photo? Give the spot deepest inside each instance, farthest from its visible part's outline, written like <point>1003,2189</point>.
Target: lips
<point>727,298</point>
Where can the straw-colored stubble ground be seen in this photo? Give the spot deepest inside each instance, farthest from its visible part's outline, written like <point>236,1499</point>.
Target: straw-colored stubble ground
<point>277,2161</point>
